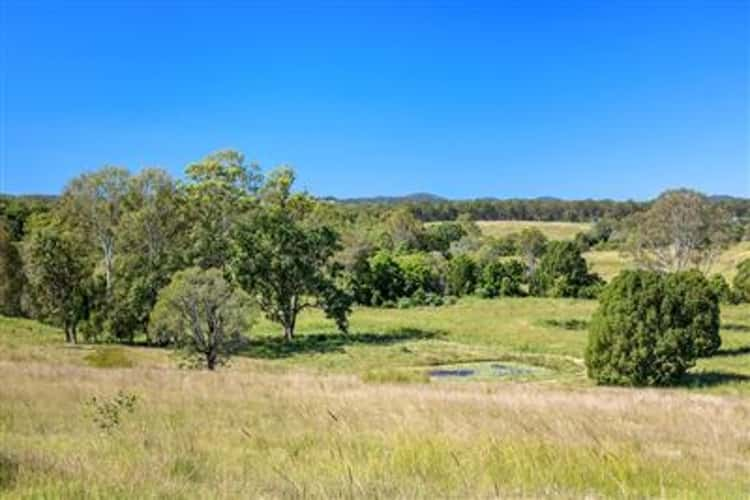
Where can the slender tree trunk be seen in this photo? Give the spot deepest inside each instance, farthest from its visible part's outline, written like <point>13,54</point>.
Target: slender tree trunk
<point>74,333</point>
<point>211,360</point>
<point>68,336</point>
<point>289,332</point>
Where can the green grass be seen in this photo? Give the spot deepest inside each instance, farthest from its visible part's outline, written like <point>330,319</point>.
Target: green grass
<point>333,416</point>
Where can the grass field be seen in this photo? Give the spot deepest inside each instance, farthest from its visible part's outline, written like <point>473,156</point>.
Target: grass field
<point>358,416</point>
<point>553,230</point>
<point>607,263</point>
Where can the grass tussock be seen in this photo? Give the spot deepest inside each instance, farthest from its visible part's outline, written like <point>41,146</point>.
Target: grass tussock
<point>109,357</point>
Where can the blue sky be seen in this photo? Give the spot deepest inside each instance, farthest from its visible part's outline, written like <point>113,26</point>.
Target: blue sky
<point>507,99</point>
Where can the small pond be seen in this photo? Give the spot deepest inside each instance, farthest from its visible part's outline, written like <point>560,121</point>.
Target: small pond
<point>486,370</point>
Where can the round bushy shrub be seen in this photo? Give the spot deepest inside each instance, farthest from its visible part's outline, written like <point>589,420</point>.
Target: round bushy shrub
<point>691,304</point>
<point>649,328</point>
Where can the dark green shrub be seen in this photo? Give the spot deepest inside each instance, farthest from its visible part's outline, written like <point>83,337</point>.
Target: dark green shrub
<point>461,276</point>
<point>742,281</point>
<point>386,279</point>
<point>723,291</point>
<point>501,279</point>
<point>562,272</point>
<point>649,328</point>
<point>690,304</point>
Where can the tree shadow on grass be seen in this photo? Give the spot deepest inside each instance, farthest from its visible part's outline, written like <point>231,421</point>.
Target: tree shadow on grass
<point>735,327</point>
<point>712,379</point>
<point>737,351</point>
<point>321,343</point>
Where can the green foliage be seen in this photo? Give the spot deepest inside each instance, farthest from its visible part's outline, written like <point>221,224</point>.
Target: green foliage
<point>461,275</point>
<point>650,328</point>
<point>57,277</point>
<point>11,273</point>
<point>720,287</point>
<point>691,304</point>
<point>219,191</point>
<point>501,279</point>
<point>421,272</point>
<point>681,230</point>
<point>285,258</point>
<point>387,279</point>
<point>742,281</point>
<point>107,413</point>
<point>202,314</point>
<point>439,237</point>
<point>562,272</point>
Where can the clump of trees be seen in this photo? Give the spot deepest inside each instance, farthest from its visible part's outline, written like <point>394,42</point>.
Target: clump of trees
<point>650,327</point>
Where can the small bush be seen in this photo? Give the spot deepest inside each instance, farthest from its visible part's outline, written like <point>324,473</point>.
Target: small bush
<point>650,328</point>
<point>108,357</point>
<point>107,413</point>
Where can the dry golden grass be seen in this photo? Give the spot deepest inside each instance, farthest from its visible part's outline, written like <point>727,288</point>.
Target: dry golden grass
<point>610,262</point>
<point>243,434</point>
<point>553,230</point>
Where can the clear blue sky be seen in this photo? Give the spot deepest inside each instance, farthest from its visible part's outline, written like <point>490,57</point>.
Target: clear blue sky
<point>508,99</point>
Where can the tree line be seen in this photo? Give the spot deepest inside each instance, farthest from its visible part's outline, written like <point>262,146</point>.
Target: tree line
<point>120,257</point>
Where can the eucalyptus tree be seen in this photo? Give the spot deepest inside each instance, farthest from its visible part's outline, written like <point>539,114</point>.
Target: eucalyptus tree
<point>93,205</point>
<point>285,256</point>
<point>219,190</point>
<point>682,230</point>
<point>57,272</point>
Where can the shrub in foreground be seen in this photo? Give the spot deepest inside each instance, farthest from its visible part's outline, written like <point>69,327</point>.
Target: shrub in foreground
<point>650,328</point>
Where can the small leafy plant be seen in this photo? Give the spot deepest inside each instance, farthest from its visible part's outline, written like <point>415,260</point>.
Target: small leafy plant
<point>107,413</point>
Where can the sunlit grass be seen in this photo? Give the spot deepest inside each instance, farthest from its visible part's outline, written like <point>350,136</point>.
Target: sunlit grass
<point>357,416</point>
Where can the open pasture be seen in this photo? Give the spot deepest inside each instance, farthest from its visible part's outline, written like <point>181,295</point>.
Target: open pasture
<point>334,416</point>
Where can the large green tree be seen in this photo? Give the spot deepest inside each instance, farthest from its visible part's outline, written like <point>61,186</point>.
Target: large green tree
<point>219,190</point>
<point>11,273</point>
<point>92,206</point>
<point>285,259</point>
<point>57,274</point>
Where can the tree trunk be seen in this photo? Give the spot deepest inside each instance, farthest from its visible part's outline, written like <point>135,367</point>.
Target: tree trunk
<point>289,332</point>
<point>68,336</point>
<point>211,359</point>
<point>74,333</point>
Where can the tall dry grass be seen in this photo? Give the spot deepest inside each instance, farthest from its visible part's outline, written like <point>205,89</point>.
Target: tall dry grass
<point>241,434</point>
